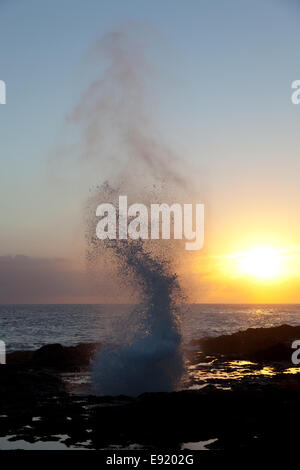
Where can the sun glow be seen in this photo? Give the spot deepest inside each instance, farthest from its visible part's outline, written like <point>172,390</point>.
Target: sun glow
<point>261,262</point>
<point>259,273</point>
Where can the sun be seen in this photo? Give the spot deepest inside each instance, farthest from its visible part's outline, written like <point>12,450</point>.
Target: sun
<point>261,262</point>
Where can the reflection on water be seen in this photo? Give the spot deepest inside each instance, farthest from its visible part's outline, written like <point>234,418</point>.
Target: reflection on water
<point>32,326</point>
<point>222,374</point>
<point>292,370</point>
<point>13,443</point>
<point>212,371</point>
<point>231,370</point>
<point>200,445</point>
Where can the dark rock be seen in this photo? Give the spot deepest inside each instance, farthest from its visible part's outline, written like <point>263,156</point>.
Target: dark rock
<point>18,386</point>
<point>19,358</point>
<point>255,412</point>
<point>280,352</point>
<point>253,340</point>
<point>55,356</point>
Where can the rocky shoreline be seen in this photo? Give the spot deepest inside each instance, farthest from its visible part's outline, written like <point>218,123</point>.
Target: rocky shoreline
<point>239,410</point>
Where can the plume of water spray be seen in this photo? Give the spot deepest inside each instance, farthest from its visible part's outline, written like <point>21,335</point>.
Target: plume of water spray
<point>149,358</point>
<point>146,354</point>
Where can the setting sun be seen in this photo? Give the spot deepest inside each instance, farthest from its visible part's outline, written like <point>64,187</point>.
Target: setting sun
<point>261,262</point>
<point>259,272</point>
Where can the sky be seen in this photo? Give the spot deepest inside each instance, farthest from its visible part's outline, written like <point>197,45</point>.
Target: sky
<point>216,88</point>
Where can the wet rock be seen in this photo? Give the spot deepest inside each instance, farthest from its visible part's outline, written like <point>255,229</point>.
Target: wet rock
<point>55,356</point>
<point>33,407</point>
<point>253,340</point>
<point>280,352</point>
<point>252,412</point>
<point>18,386</point>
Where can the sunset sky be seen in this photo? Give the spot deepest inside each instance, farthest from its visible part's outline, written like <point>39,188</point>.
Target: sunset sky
<point>216,91</point>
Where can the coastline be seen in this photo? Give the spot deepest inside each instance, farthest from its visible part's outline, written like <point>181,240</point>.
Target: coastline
<point>235,394</point>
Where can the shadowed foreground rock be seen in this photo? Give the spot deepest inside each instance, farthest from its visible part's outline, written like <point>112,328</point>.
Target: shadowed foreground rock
<point>249,416</point>
<point>254,343</point>
<point>253,411</point>
<point>55,356</point>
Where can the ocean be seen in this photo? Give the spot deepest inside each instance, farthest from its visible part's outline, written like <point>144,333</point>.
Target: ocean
<point>28,327</point>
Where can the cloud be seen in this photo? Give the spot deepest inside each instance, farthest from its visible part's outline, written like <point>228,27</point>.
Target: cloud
<point>51,280</point>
